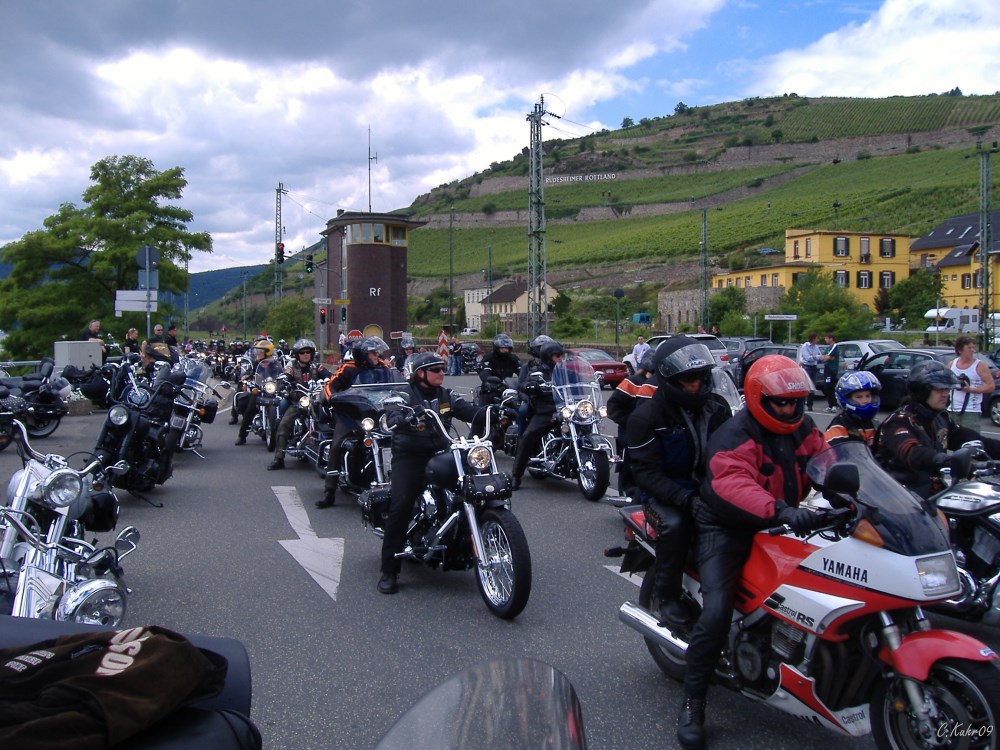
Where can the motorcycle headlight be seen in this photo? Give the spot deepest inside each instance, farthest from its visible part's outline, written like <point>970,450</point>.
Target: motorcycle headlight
<point>585,409</point>
<point>566,412</point>
<point>367,424</point>
<point>118,415</point>
<point>270,387</point>
<point>96,601</point>
<point>479,457</point>
<point>304,402</point>
<point>938,575</point>
<point>61,488</point>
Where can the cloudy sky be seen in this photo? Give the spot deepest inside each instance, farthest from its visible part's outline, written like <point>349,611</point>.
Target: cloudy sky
<point>244,94</point>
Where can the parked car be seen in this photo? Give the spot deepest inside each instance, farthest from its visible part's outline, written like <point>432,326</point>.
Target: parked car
<point>739,346</point>
<point>718,349</point>
<point>613,372</point>
<point>852,352</point>
<point>892,368</point>
<point>468,331</point>
<point>786,350</point>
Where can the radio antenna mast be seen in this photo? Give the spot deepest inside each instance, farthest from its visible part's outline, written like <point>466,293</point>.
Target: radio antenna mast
<point>370,160</point>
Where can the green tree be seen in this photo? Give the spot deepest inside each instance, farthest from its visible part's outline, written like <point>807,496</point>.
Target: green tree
<point>724,302</point>
<point>291,319</point>
<point>627,122</point>
<point>69,271</point>
<point>823,306</point>
<point>572,328</point>
<point>911,298</point>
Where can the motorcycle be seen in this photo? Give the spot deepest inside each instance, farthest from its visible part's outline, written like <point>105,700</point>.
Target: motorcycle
<point>48,569</point>
<point>269,384</point>
<point>45,398</point>
<point>463,519</point>
<point>144,432</point>
<point>363,458</point>
<point>971,507</point>
<point>831,628</point>
<point>501,401</point>
<point>194,403</point>
<point>575,449</point>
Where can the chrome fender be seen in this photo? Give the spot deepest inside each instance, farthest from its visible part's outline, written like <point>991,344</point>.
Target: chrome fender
<point>920,651</point>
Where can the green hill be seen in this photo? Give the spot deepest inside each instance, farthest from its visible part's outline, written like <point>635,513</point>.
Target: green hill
<point>760,166</point>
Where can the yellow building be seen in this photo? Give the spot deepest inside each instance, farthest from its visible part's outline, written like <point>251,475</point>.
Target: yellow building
<point>861,262</point>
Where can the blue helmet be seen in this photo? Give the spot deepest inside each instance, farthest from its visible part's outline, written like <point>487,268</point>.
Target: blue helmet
<point>858,380</point>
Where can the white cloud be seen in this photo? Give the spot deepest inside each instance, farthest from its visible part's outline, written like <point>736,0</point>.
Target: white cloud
<point>906,48</point>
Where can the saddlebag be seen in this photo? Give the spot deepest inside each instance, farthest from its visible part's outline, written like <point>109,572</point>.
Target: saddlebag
<point>481,487</point>
<point>374,504</point>
<point>208,411</point>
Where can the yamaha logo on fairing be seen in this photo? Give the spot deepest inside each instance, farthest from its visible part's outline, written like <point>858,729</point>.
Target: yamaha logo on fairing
<point>843,570</point>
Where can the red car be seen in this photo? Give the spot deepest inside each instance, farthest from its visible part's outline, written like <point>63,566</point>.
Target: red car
<point>613,371</point>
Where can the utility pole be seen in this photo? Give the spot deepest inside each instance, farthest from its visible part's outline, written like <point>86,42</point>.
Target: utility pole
<point>370,160</point>
<point>243,277</point>
<point>279,246</point>
<point>704,268</point>
<point>985,237</point>
<point>451,271</point>
<point>538,303</point>
<point>489,288</point>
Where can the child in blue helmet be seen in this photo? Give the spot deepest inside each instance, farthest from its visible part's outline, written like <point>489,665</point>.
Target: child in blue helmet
<point>857,393</point>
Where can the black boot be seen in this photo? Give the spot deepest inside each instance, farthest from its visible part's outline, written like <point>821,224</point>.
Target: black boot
<point>241,439</point>
<point>674,615</point>
<point>329,499</point>
<point>387,584</point>
<point>234,417</point>
<point>691,724</point>
<point>277,464</point>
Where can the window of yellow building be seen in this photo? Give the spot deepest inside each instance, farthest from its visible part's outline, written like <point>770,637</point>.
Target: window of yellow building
<point>887,247</point>
<point>809,247</point>
<point>865,249</point>
<point>841,247</point>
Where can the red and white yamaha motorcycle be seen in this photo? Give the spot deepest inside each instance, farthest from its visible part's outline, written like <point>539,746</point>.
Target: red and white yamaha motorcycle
<point>831,628</point>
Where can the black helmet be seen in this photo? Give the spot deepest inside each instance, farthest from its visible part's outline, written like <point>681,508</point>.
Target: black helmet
<point>535,346</point>
<point>926,376</point>
<point>421,361</point>
<point>303,345</point>
<point>683,356</point>
<point>502,341</point>
<point>550,349</point>
<point>368,344</point>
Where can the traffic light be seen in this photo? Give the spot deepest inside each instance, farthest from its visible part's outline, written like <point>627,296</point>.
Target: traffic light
<point>309,264</point>
<point>322,316</point>
<point>343,315</point>
<point>279,254</point>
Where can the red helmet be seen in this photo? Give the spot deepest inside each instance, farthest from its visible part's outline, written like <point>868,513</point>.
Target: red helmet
<point>772,377</point>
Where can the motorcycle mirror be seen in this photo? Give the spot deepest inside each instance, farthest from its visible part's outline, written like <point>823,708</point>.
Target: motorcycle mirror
<point>841,480</point>
<point>509,393</point>
<point>979,450</point>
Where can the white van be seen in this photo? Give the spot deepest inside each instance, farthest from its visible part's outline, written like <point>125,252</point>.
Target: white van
<point>952,320</point>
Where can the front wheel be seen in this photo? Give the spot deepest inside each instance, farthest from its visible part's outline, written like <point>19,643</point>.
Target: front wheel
<point>994,411</point>
<point>963,698</point>
<point>594,476</point>
<point>271,427</point>
<point>504,572</point>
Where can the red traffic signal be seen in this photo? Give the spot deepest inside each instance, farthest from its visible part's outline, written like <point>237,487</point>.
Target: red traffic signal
<point>279,254</point>
<point>322,316</point>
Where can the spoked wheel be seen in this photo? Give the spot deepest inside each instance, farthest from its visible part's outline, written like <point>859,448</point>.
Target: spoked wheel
<point>671,663</point>
<point>963,698</point>
<point>271,427</point>
<point>594,476</point>
<point>39,427</point>
<point>504,573</point>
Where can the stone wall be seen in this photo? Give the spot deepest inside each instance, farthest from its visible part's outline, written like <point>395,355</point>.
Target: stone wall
<point>676,309</point>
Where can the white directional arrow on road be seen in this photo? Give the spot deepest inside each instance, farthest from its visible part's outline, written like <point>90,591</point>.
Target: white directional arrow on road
<point>322,558</point>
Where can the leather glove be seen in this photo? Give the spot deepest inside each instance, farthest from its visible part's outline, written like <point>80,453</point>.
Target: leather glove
<point>801,520</point>
<point>960,462</point>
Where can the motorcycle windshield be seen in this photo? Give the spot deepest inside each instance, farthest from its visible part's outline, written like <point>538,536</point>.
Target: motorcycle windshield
<point>372,375</point>
<point>899,516</point>
<point>360,401</point>
<point>196,369</point>
<point>574,380</point>
<point>266,369</point>
<point>724,390</point>
<point>500,704</point>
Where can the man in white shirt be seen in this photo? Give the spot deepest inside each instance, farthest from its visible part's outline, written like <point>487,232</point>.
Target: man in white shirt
<point>639,350</point>
<point>976,379</point>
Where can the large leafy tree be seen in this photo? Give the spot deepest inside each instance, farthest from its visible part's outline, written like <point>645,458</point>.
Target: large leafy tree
<point>69,271</point>
<point>911,298</point>
<point>824,306</point>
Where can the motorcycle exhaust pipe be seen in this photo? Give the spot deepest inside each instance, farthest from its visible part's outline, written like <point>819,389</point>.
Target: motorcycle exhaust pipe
<point>640,619</point>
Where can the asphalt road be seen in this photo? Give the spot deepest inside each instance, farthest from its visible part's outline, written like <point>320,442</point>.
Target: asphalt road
<point>335,663</point>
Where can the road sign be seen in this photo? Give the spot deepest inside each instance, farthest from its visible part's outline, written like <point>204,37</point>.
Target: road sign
<point>321,300</point>
<point>134,295</point>
<point>341,302</point>
<point>781,317</point>
<point>134,306</point>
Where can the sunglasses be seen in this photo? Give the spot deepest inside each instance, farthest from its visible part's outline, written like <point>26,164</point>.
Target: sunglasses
<point>690,377</point>
<point>434,369</point>
<point>783,401</point>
